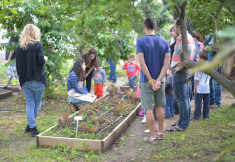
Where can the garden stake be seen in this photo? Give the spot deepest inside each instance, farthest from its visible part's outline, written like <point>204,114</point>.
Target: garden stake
<point>77,118</point>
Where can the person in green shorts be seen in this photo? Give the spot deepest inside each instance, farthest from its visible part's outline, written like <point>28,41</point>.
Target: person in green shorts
<point>154,58</point>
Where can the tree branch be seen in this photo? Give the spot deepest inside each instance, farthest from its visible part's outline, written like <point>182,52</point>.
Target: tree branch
<point>184,55</point>
<point>215,21</point>
<point>221,5</point>
<point>229,85</point>
<point>177,8</point>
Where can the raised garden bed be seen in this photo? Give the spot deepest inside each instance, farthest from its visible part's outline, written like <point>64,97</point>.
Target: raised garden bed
<point>11,87</point>
<point>103,122</point>
<point>125,87</point>
<point>5,93</point>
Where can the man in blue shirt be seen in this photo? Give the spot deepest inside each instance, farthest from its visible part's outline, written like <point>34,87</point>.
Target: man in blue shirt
<point>154,58</point>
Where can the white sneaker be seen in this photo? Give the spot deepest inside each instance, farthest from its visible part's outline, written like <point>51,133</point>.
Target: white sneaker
<point>144,121</point>
<point>147,131</point>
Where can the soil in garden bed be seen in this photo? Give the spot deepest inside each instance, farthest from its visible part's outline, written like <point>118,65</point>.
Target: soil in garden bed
<point>99,119</point>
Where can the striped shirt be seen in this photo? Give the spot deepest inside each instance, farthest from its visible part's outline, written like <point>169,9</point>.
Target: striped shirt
<point>178,47</point>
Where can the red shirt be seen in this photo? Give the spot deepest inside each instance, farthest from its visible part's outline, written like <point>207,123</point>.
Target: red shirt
<point>131,69</point>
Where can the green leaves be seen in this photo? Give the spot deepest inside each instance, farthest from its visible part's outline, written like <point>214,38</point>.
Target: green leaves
<point>14,11</point>
<point>202,16</point>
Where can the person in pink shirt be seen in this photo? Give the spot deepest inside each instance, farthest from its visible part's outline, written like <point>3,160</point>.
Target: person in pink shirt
<point>132,70</point>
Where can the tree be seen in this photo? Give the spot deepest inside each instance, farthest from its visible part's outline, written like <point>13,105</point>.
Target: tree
<point>48,18</point>
<point>180,6</point>
<point>157,10</point>
<point>203,15</point>
<point>93,23</point>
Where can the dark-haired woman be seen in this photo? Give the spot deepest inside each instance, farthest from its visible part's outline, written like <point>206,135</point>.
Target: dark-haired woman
<point>91,58</point>
<point>77,93</point>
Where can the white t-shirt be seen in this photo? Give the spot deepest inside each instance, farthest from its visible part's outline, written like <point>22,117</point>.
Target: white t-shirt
<point>203,82</point>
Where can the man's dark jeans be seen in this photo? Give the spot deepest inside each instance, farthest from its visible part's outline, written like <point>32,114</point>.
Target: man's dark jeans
<point>181,91</point>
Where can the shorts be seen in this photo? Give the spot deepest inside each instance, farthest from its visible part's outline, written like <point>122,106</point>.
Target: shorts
<point>11,71</point>
<point>150,98</point>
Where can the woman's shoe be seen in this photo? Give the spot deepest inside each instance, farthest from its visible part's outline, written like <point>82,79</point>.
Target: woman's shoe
<point>27,129</point>
<point>73,107</point>
<point>34,132</point>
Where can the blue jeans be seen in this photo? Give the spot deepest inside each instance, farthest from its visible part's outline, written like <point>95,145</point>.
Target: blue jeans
<point>112,75</point>
<point>131,81</point>
<point>198,105</point>
<point>33,91</point>
<point>215,90</point>
<point>169,106</point>
<point>181,91</point>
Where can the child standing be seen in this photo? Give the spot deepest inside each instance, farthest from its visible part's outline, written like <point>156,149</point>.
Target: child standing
<point>201,90</point>
<point>132,70</point>
<point>169,95</point>
<point>99,76</point>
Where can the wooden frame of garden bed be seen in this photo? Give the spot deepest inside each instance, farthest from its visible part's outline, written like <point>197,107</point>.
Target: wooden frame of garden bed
<point>91,144</point>
<point>5,94</point>
<point>124,88</point>
<point>13,88</point>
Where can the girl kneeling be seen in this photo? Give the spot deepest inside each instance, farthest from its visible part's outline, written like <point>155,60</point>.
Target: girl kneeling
<point>77,93</point>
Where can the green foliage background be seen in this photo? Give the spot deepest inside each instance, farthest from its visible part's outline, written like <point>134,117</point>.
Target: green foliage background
<point>69,28</point>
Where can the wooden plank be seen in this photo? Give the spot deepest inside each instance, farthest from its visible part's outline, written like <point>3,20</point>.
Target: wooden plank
<point>124,88</point>
<point>49,141</point>
<point>5,94</point>
<point>13,88</point>
<point>110,139</point>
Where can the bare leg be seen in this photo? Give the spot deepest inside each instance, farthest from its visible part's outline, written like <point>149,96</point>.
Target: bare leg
<point>156,125</point>
<point>160,118</point>
<point>8,82</point>
<point>150,122</point>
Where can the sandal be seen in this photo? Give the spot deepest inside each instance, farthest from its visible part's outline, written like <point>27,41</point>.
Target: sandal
<point>148,139</point>
<point>174,124</point>
<point>175,128</point>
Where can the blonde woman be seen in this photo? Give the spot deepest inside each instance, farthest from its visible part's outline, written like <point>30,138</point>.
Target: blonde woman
<point>30,69</point>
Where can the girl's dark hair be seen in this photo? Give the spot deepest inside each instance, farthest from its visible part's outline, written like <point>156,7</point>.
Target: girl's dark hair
<point>78,70</point>
<point>198,36</point>
<point>172,29</point>
<point>203,55</point>
<point>86,57</point>
<point>150,23</point>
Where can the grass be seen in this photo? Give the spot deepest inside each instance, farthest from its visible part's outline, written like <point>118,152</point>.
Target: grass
<point>23,146</point>
<point>3,71</point>
<point>202,141</point>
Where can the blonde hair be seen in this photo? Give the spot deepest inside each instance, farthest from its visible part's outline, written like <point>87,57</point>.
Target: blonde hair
<point>29,34</point>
